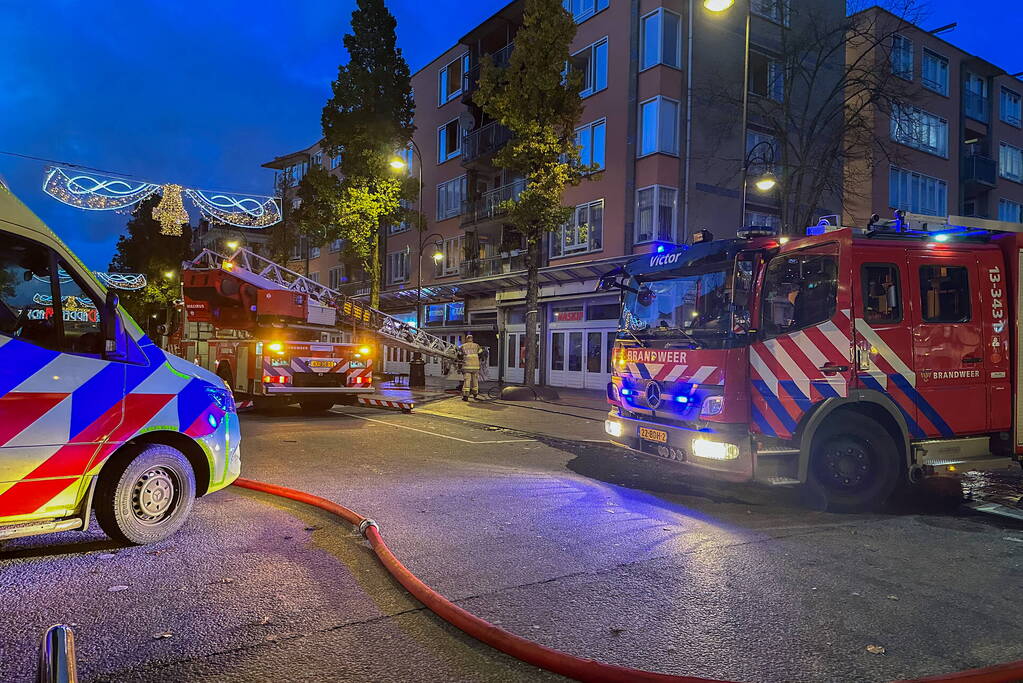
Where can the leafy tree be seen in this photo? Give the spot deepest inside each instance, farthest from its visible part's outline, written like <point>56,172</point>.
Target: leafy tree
<point>367,119</point>
<point>143,249</point>
<point>284,233</point>
<point>540,104</point>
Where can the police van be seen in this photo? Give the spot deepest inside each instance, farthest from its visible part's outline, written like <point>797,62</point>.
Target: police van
<point>94,417</point>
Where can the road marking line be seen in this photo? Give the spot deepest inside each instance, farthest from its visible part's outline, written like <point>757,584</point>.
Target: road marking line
<point>423,431</point>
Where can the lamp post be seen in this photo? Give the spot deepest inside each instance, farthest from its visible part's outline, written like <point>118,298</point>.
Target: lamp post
<point>764,183</point>
<point>400,164</point>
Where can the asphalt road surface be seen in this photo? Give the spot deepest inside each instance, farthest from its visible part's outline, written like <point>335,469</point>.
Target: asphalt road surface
<point>527,518</point>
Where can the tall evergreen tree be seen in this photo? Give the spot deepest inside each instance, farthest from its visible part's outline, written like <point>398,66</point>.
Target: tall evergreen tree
<point>540,104</point>
<point>143,249</point>
<point>368,118</point>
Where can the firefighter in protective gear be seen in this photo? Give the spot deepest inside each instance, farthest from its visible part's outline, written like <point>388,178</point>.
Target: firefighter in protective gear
<point>469,358</point>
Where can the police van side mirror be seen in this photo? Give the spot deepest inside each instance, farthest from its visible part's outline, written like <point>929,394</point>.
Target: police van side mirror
<point>115,345</point>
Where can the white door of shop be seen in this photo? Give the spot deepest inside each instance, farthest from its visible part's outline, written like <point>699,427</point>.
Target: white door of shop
<point>580,359</point>
<point>514,357</point>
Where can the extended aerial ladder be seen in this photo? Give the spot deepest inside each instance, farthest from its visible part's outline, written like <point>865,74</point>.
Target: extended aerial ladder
<point>341,310</point>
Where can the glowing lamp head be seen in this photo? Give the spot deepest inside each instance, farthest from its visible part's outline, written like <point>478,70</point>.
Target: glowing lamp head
<point>766,183</point>
<point>438,256</point>
<point>169,274</point>
<point>275,346</point>
<point>364,350</point>
<point>233,244</point>
<point>718,5</point>
<point>397,164</point>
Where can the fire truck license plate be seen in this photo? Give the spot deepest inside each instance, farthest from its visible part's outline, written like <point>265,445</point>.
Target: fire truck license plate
<point>653,435</point>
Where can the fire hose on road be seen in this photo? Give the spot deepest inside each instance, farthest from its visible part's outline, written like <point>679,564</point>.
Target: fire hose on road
<point>533,653</point>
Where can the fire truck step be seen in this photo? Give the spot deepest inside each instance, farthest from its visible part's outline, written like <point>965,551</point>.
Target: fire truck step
<point>35,528</point>
<point>403,406</point>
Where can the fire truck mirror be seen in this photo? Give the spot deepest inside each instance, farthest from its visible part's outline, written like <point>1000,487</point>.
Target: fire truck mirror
<point>116,345</point>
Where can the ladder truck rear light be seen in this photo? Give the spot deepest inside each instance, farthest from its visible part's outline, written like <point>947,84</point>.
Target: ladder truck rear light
<point>276,379</point>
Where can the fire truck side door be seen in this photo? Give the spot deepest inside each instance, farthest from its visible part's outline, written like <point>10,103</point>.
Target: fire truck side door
<point>948,345</point>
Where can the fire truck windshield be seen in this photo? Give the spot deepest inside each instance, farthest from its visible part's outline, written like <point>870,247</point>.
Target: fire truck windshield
<point>675,304</point>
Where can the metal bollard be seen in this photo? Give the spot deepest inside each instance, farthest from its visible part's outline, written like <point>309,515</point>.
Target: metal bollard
<point>57,656</point>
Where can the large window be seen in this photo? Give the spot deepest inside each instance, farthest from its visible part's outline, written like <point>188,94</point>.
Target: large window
<point>449,79</point>
<point>660,39</point>
<point>902,57</point>
<point>775,10</point>
<point>591,139</point>
<point>335,246</point>
<point>450,196</point>
<point>766,155</point>
<point>581,10</point>
<point>975,97</point>
<point>800,290</point>
<point>449,141</point>
<point>592,62</point>
<point>658,126</point>
<point>397,267</point>
<point>766,76</point>
<point>882,299</point>
<point>916,128</point>
<point>917,193</point>
<point>583,232</point>
<point>944,294</point>
<point>453,250</point>
<point>1010,211</point>
<point>336,277</point>
<point>28,309</point>
<point>1009,107</point>
<point>763,220</point>
<point>934,72</point>
<point>1010,162</point>
<point>655,214</point>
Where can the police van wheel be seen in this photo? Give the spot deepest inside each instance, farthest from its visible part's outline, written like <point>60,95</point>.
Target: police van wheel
<point>316,407</point>
<point>144,494</point>
<point>854,462</point>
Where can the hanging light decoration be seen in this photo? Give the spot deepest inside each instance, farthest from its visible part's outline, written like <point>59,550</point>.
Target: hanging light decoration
<point>170,212</point>
<point>96,193</point>
<point>241,211</point>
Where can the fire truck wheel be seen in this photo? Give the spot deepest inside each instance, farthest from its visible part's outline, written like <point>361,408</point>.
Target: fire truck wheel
<point>854,462</point>
<point>144,494</point>
<point>316,407</point>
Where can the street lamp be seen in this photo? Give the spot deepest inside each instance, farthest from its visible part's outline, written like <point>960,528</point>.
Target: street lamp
<point>168,274</point>
<point>233,244</point>
<point>767,180</point>
<point>400,164</point>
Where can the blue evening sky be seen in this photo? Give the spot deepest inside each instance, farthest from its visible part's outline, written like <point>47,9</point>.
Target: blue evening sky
<point>202,93</point>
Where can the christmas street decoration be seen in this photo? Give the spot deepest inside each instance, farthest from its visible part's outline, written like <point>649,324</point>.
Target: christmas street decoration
<point>170,212</point>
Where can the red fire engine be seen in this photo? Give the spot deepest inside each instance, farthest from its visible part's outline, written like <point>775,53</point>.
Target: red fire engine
<point>274,335</point>
<point>850,359</point>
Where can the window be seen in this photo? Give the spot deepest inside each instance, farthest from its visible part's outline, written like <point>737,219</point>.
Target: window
<point>581,10</point>
<point>314,252</point>
<point>449,141</point>
<point>450,196</point>
<point>775,10</point>
<point>902,57</point>
<point>916,128</point>
<point>1010,162</point>
<point>318,159</point>
<point>335,246</point>
<point>1009,107</point>
<point>1010,211</point>
<point>336,277</point>
<point>449,79</point>
<point>453,250</point>
<point>567,314</point>
<point>763,220</point>
<point>658,126</point>
<point>299,249</point>
<point>314,276</point>
<point>397,267</point>
<point>592,62</point>
<point>917,193</point>
<point>800,290</point>
<point>944,294</point>
<point>454,313</point>
<point>583,232</point>
<point>27,307</point>
<point>335,161</point>
<point>766,76</point>
<point>766,147</point>
<point>603,311</point>
<point>882,299</point>
<point>655,214</point>
<point>975,97</point>
<point>661,39</point>
<point>934,72</point>
<point>591,139</point>
<point>433,314</point>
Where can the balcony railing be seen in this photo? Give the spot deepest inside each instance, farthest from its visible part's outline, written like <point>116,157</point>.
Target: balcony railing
<point>498,265</point>
<point>471,78</point>
<point>484,141</point>
<point>490,204</point>
<point>980,170</point>
<point>975,106</point>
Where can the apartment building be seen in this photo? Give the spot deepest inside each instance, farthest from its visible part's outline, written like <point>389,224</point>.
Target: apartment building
<point>954,143</point>
<point>671,164</point>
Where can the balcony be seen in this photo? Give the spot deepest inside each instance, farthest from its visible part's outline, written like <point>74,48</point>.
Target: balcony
<point>483,142</point>
<point>490,204</point>
<point>497,265</point>
<point>471,78</point>
<point>978,169</point>
<point>975,106</point>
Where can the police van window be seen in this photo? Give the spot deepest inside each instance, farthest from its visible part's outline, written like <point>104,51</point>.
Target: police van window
<point>944,294</point>
<point>26,295</point>
<point>882,297</point>
<point>800,290</point>
<point>83,332</point>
